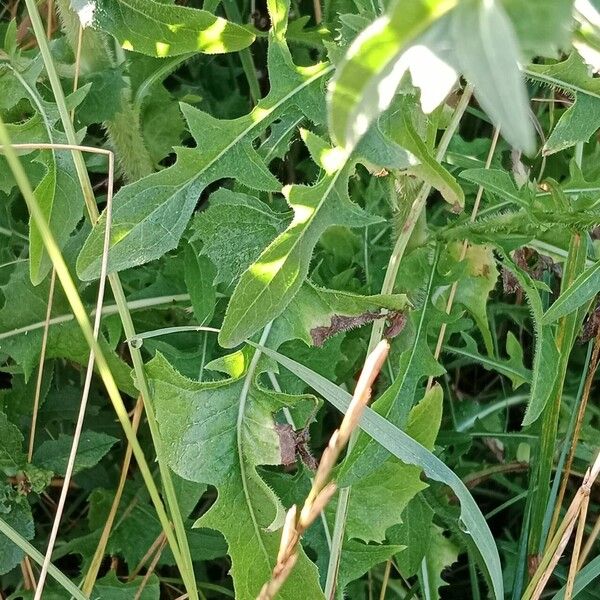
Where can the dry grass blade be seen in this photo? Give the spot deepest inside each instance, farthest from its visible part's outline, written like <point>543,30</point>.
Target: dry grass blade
<point>40,375</point>
<point>322,488</point>
<point>90,366</point>
<point>589,544</point>
<point>577,431</point>
<point>575,513</point>
<point>92,574</point>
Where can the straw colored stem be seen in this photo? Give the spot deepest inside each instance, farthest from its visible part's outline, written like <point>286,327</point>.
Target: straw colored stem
<point>322,488</point>
<point>86,388</point>
<point>463,254</point>
<point>92,573</point>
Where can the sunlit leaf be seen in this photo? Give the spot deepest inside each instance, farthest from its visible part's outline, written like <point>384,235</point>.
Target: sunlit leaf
<point>162,29</point>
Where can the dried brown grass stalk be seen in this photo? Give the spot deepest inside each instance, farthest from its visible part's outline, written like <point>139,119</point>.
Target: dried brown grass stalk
<point>575,515</point>
<point>323,488</point>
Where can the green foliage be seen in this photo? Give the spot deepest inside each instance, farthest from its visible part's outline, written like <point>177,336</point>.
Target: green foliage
<point>320,181</point>
<point>175,29</point>
<point>578,122</point>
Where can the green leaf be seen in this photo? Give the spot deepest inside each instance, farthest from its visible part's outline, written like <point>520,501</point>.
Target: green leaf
<point>440,554</point>
<point>162,29</point>
<point>199,274</point>
<point>416,363</point>
<point>229,424</point>
<point>358,558</point>
<point>546,353</point>
<point>271,282</point>
<point>496,181</point>
<point>367,78</point>
<point>512,368</point>
<point>581,120</point>
<point>111,588</point>
<point>58,193</point>
<point>20,519</point>
<point>12,457</point>
<point>402,446</point>
<point>488,54</point>
<point>317,314</point>
<point>581,291</point>
<point>584,577</point>
<point>137,526</point>
<point>150,215</point>
<point>234,230</point>
<point>476,285</point>
<point>54,454</point>
<point>543,28</point>
<point>415,534</point>
<point>104,98</point>
<point>429,170</point>
<point>394,484</point>
<point>26,305</point>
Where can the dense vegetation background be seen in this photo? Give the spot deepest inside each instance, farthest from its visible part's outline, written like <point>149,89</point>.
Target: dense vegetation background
<point>211,213</point>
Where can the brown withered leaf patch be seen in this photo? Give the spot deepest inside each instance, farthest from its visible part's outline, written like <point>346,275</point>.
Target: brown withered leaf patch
<point>295,444</point>
<point>531,262</point>
<point>339,323</point>
<point>591,327</point>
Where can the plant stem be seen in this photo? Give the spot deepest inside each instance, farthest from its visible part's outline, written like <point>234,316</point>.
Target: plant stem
<point>78,309</point>
<point>549,420</point>
<point>233,14</point>
<point>180,542</point>
<point>34,553</point>
<point>391,273</point>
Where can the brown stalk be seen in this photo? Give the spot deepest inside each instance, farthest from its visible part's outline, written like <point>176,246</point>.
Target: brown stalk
<point>323,488</point>
<point>156,544</point>
<point>463,254</point>
<point>576,513</point>
<point>152,566</point>
<point>92,574</point>
<point>575,439</point>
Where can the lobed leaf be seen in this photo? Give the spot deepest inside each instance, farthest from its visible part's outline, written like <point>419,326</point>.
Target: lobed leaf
<point>402,446</point>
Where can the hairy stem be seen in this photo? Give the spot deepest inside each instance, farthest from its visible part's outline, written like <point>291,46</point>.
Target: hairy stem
<point>412,218</point>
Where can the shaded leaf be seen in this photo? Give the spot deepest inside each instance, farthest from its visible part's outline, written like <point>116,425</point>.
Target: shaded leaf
<point>12,457</point>
<point>20,519</point>
<point>581,291</point>
<point>512,368</point>
<point>581,120</point>
<point>54,454</point>
<point>229,424</point>
<point>415,534</point>
<point>199,274</point>
<point>110,587</point>
<point>546,353</point>
<point>234,230</point>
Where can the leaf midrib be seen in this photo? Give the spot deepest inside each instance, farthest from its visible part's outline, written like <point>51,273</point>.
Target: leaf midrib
<point>217,157</point>
<point>295,243</point>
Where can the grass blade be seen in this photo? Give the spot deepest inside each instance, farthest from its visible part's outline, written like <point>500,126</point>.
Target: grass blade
<point>410,452</point>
